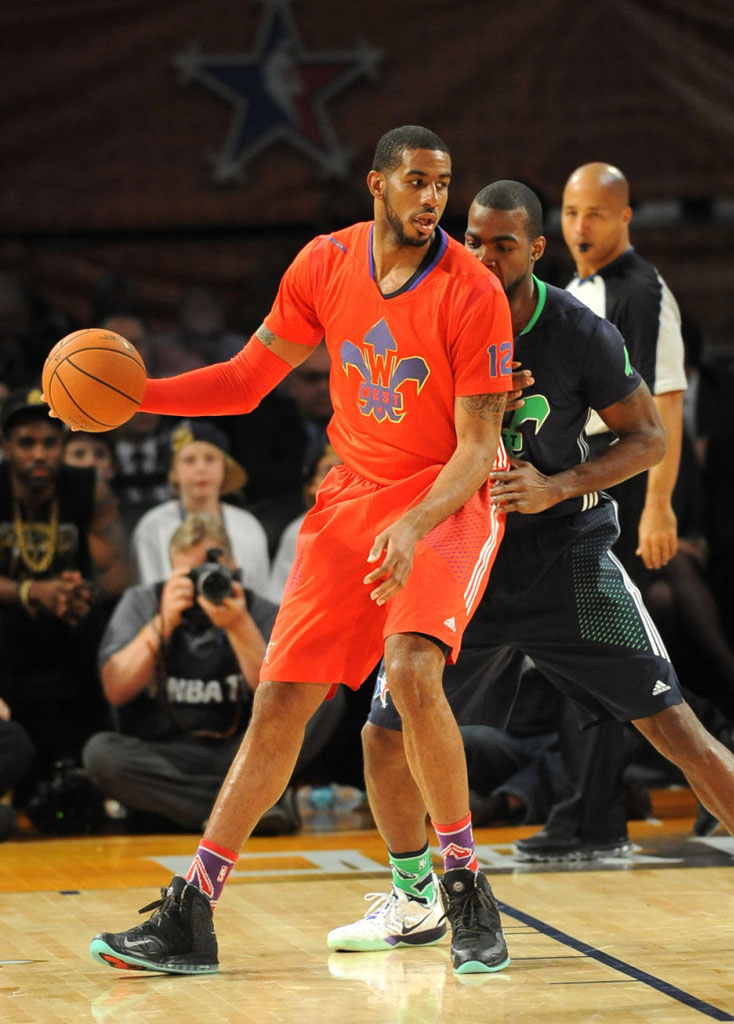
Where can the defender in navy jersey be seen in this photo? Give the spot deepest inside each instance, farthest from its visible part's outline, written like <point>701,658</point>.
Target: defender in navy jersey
<point>557,593</point>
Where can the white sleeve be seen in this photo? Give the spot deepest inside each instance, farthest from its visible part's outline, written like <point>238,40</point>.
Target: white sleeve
<point>670,374</point>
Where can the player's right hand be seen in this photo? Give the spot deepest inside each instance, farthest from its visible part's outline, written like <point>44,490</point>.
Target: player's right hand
<point>398,543</point>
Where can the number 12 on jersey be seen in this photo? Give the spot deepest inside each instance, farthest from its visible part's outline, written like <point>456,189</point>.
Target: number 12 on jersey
<point>501,357</point>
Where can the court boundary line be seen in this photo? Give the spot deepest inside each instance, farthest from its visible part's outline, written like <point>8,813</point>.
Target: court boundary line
<point>664,987</point>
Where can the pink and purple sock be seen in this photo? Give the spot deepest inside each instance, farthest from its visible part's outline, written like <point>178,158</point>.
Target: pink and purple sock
<point>210,869</point>
<point>457,844</point>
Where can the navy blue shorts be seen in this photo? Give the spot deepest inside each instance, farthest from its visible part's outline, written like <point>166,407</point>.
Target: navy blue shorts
<point>560,597</point>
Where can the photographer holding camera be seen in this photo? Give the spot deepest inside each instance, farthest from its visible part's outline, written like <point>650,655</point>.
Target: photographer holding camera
<point>179,661</point>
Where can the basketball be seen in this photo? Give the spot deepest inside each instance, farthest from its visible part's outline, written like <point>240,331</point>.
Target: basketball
<point>94,379</point>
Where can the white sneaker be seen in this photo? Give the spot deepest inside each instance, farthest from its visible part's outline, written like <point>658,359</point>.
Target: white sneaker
<point>393,920</point>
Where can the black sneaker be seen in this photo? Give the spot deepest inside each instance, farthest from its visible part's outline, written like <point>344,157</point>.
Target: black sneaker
<point>544,847</point>
<point>178,939</point>
<point>477,943</point>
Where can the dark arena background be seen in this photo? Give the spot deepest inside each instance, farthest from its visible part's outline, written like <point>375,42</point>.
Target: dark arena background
<point>183,144</point>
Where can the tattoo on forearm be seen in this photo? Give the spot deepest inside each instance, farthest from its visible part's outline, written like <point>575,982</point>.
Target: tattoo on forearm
<point>266,336</point>
<point>484,406</point>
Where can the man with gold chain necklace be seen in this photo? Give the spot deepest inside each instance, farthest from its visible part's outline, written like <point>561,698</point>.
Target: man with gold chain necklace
<point>63,561</point>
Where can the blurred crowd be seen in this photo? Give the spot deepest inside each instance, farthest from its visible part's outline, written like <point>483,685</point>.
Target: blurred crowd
<point>129,491</point>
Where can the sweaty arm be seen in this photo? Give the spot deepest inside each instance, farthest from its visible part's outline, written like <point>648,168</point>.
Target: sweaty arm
<point>658,527</point>
<point>478,420</point>
<point>641,445</point>
<point>229,388</point>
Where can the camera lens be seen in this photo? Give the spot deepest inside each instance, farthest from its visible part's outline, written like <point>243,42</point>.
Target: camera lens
<point>215,584</point>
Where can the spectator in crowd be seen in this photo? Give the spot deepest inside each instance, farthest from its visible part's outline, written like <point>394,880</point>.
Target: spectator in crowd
<point>63,560</point>
<point>180,670</point>
<point>84,449</point>
<point>202,472</point>
<point>286,552</point>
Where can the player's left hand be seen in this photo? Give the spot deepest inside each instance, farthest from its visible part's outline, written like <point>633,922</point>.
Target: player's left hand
<point>398,542</point>
<point>522,488</point>
<point>657,535</point>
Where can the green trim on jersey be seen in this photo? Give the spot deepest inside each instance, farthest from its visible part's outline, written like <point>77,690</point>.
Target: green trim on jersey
<point>542,292</point>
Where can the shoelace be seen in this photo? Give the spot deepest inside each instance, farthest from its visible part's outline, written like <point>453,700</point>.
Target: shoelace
<point>164,903</point>
<point>380,899</point>
<point>471,904</point>
<point>385,904</point>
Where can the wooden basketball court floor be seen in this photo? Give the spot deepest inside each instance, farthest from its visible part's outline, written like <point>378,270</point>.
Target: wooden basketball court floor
<point>647,938</point>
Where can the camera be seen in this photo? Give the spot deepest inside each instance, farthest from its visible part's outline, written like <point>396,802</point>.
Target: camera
<point>213,580</point>
<point>67,804</point>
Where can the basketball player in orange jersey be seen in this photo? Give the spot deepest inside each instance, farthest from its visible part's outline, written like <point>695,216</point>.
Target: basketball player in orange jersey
<point>396,553</point>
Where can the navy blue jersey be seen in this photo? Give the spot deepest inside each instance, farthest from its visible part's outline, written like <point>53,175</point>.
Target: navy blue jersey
<point>580,363</point>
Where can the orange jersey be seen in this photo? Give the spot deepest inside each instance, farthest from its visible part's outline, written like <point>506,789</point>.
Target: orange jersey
<point>398,362</point>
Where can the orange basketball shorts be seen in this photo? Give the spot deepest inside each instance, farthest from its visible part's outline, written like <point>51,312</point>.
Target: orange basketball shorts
<point>328,630</point>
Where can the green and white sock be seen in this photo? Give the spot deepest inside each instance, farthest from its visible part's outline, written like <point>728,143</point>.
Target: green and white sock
<point>413,874</point>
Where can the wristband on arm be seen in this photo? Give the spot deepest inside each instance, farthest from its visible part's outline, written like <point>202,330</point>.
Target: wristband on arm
<point>223,389</point>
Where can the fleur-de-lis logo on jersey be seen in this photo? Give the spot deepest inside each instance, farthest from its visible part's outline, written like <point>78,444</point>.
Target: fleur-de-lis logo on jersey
<point>382,373</point>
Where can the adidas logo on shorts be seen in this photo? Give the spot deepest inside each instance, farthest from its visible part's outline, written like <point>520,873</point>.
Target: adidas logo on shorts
<point>451,623</point>
<point>659,687</point>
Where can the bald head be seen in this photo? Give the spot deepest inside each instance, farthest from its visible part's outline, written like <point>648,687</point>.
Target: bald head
<point>604,177</point>
<point>595,216</point>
